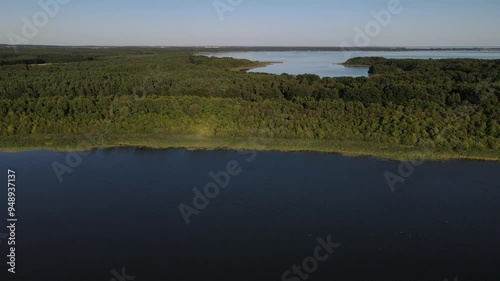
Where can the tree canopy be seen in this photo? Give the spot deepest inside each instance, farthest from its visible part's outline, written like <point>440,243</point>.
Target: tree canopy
<point>450,104</point>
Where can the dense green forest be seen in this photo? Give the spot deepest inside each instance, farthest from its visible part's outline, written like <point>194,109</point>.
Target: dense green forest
<point>55,98</point>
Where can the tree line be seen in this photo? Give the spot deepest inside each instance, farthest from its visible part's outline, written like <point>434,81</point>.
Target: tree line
<point>445,104</point>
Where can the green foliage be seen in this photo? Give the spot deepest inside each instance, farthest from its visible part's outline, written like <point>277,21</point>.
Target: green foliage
<point>448,105</point>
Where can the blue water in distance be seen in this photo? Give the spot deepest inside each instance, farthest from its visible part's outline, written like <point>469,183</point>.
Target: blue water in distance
<point>326,64</point>
<point>119,209</point>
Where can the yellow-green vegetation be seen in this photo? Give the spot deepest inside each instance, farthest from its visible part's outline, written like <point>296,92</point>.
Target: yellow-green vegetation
<point>168,98</point>
<point>196,142</point>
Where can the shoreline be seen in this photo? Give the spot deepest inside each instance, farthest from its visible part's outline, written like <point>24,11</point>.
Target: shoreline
<point>195,143</point>
<point>352,65</point>
<point>254,65</point>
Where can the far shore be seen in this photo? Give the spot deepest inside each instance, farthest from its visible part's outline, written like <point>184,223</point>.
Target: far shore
<point>352,65</point>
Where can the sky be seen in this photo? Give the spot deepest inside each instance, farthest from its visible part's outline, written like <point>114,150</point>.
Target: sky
<point>251,22</point>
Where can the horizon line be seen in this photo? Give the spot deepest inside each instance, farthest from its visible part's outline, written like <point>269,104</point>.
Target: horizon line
<point>251,46</point>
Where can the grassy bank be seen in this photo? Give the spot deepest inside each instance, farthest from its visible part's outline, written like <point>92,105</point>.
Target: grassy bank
<point>381,151</point>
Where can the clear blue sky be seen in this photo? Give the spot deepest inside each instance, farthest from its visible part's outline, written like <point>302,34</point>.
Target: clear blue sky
<point>256,22</point>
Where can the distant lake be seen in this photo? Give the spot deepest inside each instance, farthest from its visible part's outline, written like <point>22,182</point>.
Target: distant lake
<point>325,64</point>
<point>120,209</point>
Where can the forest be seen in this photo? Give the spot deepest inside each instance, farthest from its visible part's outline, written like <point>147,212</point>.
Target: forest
<point>83,98</point>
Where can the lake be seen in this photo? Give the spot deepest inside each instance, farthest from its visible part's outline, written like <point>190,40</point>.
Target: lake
<point>117,212</point>
<point>326,64</point>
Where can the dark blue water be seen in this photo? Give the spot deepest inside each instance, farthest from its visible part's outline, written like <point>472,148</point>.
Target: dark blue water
<point>119,209</point>
<point>326,64</point>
